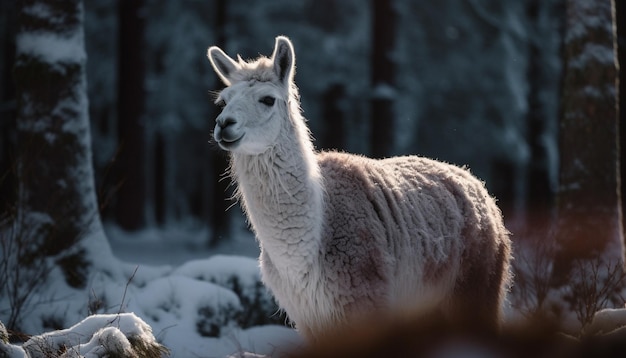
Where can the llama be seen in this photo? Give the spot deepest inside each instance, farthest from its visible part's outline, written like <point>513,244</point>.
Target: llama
<point>342,235</point>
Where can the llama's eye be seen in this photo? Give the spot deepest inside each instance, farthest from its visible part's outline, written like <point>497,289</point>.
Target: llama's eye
<point>221,103</point>
<point>268,100</point>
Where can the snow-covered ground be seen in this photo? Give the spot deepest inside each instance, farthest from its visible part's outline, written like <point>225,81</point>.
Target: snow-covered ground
<point>165,286</point>
<point>195,301</point>
<point>174,305</point>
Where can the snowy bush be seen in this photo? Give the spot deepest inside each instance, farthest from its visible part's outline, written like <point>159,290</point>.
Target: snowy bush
<point>176,300</point>
<point>532,269</point>
<point>211,323</point>
<point>240,275</point>
<point>113,335</point>
<point>593,285</point>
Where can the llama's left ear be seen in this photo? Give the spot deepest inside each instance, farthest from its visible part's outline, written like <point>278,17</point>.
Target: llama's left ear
<point>284,59</point>
<point>222,64</point>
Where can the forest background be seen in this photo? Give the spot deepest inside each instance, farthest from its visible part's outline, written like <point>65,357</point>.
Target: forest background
<point>524,93</point>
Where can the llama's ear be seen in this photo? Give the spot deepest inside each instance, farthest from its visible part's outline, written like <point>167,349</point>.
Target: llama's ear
<point>222,64</point>
<point>284,59</point>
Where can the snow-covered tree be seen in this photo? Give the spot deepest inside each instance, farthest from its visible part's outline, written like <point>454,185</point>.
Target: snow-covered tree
<point>590,222</point>
<point>57,227</point>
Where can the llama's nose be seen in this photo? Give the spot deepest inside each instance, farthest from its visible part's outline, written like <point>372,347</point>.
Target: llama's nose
<point>225,122</point>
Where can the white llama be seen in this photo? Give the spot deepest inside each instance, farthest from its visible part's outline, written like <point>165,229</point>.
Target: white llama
<point>343,235</point>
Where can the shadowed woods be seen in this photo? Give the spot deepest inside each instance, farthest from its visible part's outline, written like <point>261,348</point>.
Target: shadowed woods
<point>482,89</point>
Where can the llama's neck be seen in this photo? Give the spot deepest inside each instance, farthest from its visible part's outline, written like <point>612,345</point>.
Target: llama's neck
<point>282,194</point>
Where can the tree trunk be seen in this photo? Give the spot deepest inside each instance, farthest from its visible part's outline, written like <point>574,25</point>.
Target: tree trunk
<point>620,20</point>
<point>57,206</point>
<point>7,109</point>
<point>160,167</point>
<point>334,117</point>
<point>540,190</point>
<point>383,78</point>
<point>131,198</point>
<point>589,216</point>
<point>544,77</point>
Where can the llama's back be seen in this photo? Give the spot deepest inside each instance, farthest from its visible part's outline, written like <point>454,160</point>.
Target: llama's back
<point>410,230</point>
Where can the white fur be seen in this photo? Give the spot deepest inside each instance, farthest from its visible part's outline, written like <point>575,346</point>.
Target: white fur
<point>342,235</point>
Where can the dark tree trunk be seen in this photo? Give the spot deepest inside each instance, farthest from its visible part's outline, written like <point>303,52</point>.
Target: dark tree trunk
<point>383,77</point>
<point>8,180</point>
<point>334,117</point>
<point>130,167</point>
<point>159,178</point>
<point>589,216</point>
<point>543,78</point>
<point>620,19</point>
<point>219,217</point>
<point>540,192</point>
<point>57,206</point>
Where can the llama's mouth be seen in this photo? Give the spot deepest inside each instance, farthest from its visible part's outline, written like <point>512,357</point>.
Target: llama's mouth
<point>229,144</point>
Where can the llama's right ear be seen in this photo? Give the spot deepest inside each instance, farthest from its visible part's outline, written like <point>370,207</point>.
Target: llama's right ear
<point>284,59</point>
<point>222,64</point>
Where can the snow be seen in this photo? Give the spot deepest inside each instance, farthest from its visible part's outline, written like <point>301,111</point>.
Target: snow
<point>598,53</point>
<point>584,16</point>
<point>51,48</point>
<point>383,91</point>
<point>607,320</point>
<point>194,317</point>
<point>198,308</point>
<point>194,306</point>
<point>106,332</point>
<point>221,267</point>
<point>108,340</point>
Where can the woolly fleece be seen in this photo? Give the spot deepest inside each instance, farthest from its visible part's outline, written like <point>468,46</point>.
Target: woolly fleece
<point>343,236</point>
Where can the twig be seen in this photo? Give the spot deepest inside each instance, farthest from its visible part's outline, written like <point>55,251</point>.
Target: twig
<point>126,289</point>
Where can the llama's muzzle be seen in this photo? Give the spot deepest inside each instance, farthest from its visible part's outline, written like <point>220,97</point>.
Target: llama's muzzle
<point>226,133</point>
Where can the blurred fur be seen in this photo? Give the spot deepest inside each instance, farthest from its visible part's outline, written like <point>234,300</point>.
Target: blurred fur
<point>431,334</point>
